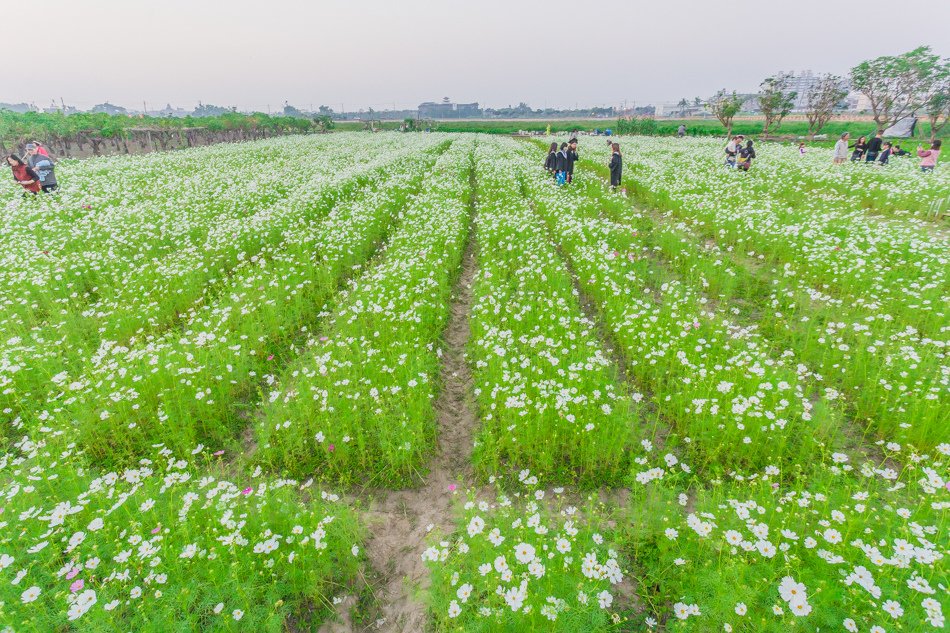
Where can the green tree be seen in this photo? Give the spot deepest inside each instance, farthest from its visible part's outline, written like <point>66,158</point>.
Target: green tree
<point>936,100</point>
<point>725,106</point>
<point>776,100</point>
<point>896,86</point>
<point>683,105</point>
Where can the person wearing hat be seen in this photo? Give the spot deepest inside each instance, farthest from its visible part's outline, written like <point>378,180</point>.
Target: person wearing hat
<point>43,167</point>
<point>40,149</point>
<point>571,159</point>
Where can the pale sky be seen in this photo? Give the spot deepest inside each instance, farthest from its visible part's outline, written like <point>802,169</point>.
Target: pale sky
<point>377,53</point>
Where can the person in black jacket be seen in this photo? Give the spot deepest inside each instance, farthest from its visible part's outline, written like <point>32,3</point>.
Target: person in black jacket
<point>860,146</point>
<point>886,154</point>
<point>874,147</point>
<point>746,154</point>
<point>560,165</point>
<point>571,159</point>
<point>550,163</point>
<point>616,165</point>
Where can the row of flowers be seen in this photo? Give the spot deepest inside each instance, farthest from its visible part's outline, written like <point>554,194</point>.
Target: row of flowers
<point>357,405</point>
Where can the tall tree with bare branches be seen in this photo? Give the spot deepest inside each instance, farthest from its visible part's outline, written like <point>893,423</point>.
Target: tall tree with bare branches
<point>776,100</point>
<point>820,101</point>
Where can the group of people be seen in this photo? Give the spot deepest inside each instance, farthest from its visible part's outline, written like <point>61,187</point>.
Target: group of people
<point>560,162</point>
<point>740,153</point>
<point>877,150</point>
<point>35,171</point>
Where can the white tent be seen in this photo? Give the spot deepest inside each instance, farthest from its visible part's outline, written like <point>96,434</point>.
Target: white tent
<point>904,128</point>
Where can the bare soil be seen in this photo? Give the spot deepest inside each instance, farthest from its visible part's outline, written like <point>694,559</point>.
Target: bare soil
<point>401,520</point>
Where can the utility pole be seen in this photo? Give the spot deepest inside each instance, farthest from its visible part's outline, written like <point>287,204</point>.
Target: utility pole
<point>62,103</point>
<point>144,108</point>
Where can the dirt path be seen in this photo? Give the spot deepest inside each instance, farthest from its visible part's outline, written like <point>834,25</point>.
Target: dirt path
<point>400,521</point>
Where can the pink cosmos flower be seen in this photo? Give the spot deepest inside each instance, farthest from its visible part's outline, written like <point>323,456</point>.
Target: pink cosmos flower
<point>218,453</point>
<point>156,529</point>
<point>324,339</point>
<point>76,586</point>
<point>331,448</point>
<point>72,573</point>
<point>247,491</point>
<point>452,487</point>
<point>271,357</point>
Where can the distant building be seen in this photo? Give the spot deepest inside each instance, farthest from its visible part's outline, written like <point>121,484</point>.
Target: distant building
<point>449,110</point>
<point>109,108</point>
<point>170,111</point>
<point>468,110</point>
<point>672,110</point>
<point>18,107</point>
<point>802,83</point>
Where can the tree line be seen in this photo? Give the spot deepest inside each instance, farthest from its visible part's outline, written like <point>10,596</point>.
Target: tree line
<point>64,133</point>
<point>916,83</point>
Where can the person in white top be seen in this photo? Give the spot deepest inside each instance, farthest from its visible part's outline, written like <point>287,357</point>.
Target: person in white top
<point>841,149</point>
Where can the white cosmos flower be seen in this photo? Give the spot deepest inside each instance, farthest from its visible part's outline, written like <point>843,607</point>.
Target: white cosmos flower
<point>30,594</point>
<point>524,553</point>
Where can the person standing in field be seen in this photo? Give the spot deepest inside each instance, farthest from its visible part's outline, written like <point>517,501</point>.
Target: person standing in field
<point>746,154</point>
<point>859,148</point>
<point>874,147</point>
<point>550,163</point>
<point>681,132</point>
<point>43,166</point>
<point>571,159</point>
<point>24,175</point>
<point>616,165</point>
<point>841,149</point>
<point>929,156</point>
<point>560,165</point>
<point>801,149</point>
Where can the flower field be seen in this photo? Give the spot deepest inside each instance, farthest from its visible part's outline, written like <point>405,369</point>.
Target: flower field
<point>403,382</point>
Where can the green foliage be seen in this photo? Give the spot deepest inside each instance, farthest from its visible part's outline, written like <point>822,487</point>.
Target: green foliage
<point>645,126</point>
<point>16,128</point>
<point>725,107</point>
<point>897,86</point>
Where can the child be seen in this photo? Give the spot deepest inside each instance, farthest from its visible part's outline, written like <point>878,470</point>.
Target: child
<point>886,154</point>
<point>929,156</point>
<point>801,149</point>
